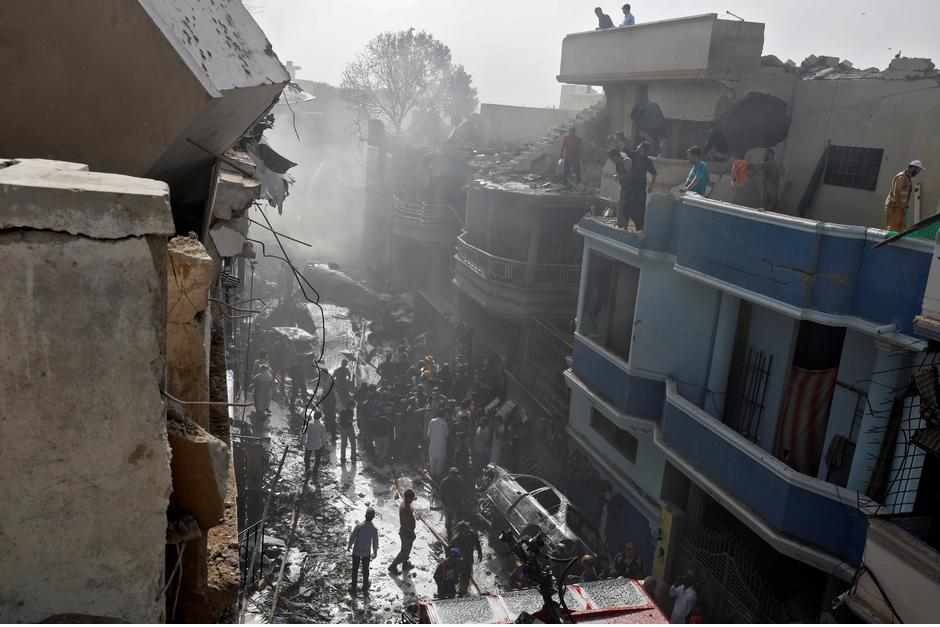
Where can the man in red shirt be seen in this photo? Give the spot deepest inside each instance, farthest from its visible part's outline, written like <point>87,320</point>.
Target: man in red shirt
<point>571,148</point>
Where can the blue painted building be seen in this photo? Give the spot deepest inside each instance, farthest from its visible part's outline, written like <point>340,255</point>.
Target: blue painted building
<point>733,377</point>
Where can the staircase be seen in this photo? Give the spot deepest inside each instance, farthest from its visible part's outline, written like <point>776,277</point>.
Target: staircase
<point>542,154</point>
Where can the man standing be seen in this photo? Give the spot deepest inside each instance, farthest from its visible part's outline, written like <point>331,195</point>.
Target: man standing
<point>341,380</point>
<point>771,187</point>
<point>572,147</point>
<point>628,19</point>
<point>406,531</point>
<point>697,180</point>
<point>686,597</point>
<point>639,186</point>
<point>437,446</point>
<point>467,540</point>
<point>628,564</point>
<point>620,173</point>
<point>347,434</point>
<point>263,387</point>
<point>899,197</point>
<point>364,542</point>
<point>382,437</point>
<point>603,20</point>
<point>452,499</point>
<point>316,436</point>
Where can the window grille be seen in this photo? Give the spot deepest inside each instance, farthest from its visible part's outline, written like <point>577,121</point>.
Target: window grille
<point>850,166</point>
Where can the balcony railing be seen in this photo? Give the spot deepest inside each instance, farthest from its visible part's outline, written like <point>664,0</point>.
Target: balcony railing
<point>440,216</point>
<point>518,273</point>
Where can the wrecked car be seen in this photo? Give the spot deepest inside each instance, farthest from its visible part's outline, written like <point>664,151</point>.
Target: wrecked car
<point>526,502</point>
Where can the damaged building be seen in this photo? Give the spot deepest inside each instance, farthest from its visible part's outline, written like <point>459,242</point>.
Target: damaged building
<point>131,159</point>
<point>739,385</point>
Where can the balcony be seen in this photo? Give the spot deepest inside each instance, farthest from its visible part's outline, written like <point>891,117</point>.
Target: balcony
<point>607,375</point>
<point>515,288</point>
<point>699,47</point>
<point>428,224</point>
<point>748,478</point>
<point>827,273</point>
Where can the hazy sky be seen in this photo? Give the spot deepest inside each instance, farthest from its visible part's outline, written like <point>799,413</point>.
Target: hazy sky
<point>512,48</point>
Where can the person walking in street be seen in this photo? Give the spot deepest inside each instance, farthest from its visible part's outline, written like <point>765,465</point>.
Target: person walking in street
<point>437,445</point>
<point>628,564</point>
<point>313,446</point>
<point>452,499</point>
<point>445,575</point>
<point>686,597</point>
<point>382,438</point>
<point>406,531</point>
<point>697,180</point>
<point>481,446</point>
<point>263,387</point>
<point>628,19</point>
<point>467,540</point>
<point>603,20</point>
<point>347,434</point>
<point>572,147</point>
<point>364,542</point>
<point>899,196</point>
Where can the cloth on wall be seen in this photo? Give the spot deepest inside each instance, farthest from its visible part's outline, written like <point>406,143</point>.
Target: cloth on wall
<point>801,430</point>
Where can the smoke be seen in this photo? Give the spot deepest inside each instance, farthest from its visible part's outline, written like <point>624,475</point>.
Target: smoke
<point>326,203</point>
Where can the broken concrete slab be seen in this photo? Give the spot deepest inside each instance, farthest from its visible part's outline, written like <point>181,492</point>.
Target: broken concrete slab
<point>229,237</point>
<point>199,465</point>
<point>911,64</point>
<point>234,193</point>
<point>190,274</point>
<point>47,195</point>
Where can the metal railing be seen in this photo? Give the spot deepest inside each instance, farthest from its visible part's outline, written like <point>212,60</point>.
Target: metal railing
<point>441,216</point>
<point>513,272</point>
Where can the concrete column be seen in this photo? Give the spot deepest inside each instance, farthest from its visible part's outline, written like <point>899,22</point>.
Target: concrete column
<point>726,326</point>
<point>889,377</point>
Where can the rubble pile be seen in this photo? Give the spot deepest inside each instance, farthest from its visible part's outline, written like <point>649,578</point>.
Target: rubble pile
<point>825,67</point>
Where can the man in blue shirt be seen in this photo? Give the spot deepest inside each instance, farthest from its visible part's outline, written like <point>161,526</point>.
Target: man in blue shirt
<point>364,542</point>
<point>697,181</point>
<point>628,19</point>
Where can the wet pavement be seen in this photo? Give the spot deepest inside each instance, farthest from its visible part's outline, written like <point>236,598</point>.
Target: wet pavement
<point>317,574</point>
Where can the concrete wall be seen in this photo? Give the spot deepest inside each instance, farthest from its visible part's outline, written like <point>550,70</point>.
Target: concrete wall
<point>507,123</point>
<point>578,97</point>
<point>84,460</point>
<point>699,46</point>
<point>163,72</point>
<point>897,116</point>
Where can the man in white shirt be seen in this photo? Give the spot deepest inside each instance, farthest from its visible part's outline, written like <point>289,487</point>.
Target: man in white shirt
<point>684,591</point>
<point>437,448</point>
<point>316,436</point>
<point>628,19</point>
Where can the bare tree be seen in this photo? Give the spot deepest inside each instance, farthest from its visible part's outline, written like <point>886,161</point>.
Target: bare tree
<point>399,73</point>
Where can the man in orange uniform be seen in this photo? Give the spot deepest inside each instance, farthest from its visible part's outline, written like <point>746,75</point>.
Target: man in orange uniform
<point>899,196</point>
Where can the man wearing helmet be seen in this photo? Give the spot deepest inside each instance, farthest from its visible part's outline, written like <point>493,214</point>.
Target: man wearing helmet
<point>899,196</point>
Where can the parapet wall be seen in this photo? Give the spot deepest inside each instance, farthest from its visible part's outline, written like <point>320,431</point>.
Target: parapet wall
<point>84,460</point>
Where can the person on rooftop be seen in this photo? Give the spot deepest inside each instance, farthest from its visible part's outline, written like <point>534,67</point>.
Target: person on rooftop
<point>603,20</point>
<point>572,148</point>
<point>628,19</point>
<point>899,196</point>
<point>697,181</point>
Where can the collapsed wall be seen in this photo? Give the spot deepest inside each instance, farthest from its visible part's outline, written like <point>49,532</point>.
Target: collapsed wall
<point>84,458</point>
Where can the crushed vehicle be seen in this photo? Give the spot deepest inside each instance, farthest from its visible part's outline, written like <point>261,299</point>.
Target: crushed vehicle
<point>524,503</point>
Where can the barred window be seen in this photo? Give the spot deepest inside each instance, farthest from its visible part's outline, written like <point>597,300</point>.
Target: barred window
<point>850,166</point>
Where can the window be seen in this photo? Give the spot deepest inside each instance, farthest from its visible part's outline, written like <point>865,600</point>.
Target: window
<point>621,440</point>
<point>849,166</point>
<point>609,303</point>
